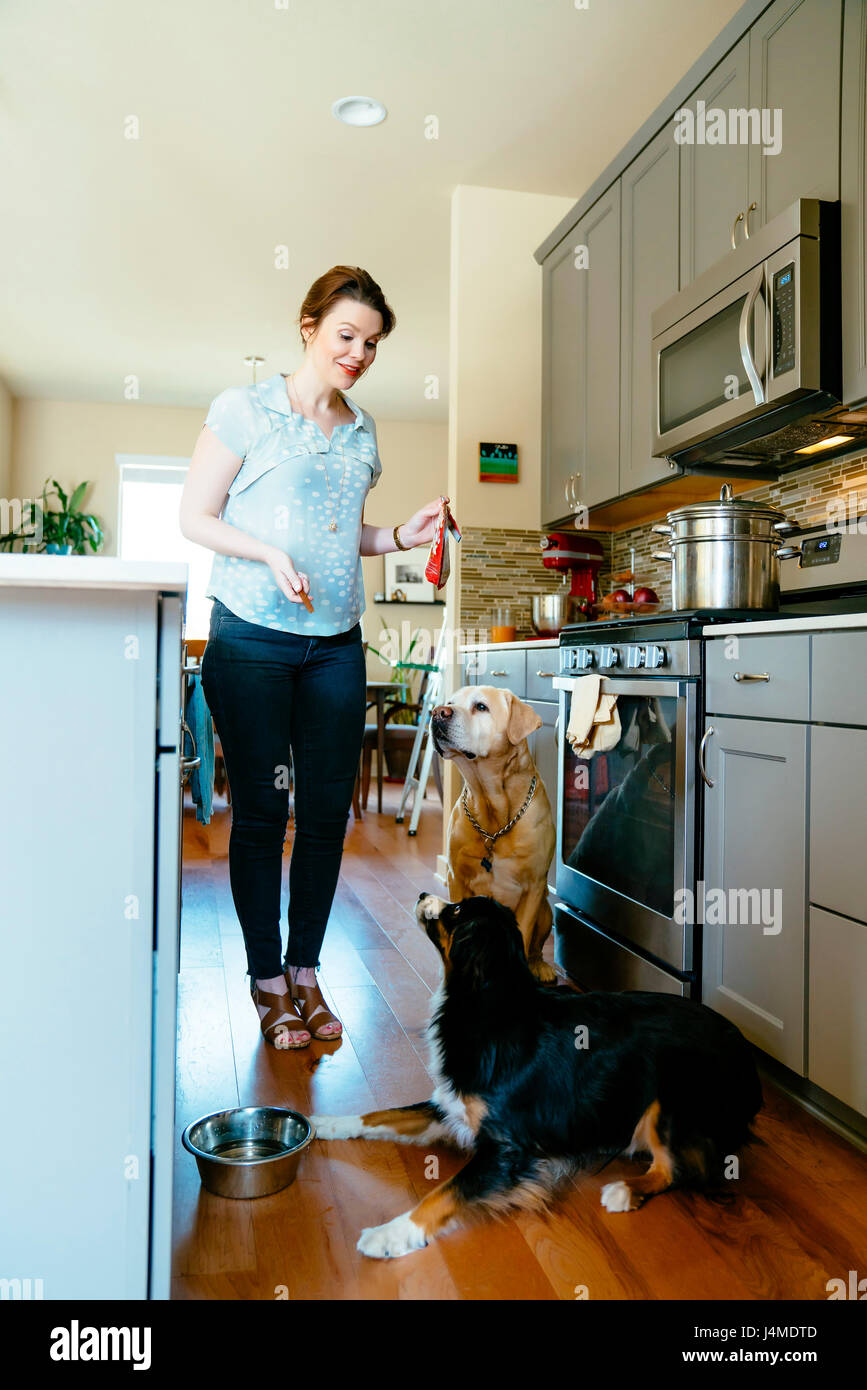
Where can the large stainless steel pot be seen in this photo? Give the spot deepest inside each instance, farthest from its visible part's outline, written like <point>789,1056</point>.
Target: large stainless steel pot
<point>725,554</point>
<point>553,612</point>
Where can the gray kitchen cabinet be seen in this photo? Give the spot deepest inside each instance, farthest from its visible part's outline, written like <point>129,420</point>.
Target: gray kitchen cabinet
<point>599,353</point>
<point>782,665</point>
<point>838,820</point>
<point>795,69</point>
<point>753,971</point>
<point>837,1056</point>
<point>650,274</point>
<point>561,421</point>
<point>714,178</point>
<point>839,678</point>
<point>470,666</point>
<point>504,668</point>
<point>853,198</point>
<point>581,334</point>
<point>542,667</point>
<point>544,750</point>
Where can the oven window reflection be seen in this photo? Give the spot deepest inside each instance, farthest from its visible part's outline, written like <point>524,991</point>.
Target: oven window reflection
<point>619,805</point>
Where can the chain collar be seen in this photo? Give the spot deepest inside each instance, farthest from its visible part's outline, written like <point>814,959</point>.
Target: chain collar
<point>491,839</point>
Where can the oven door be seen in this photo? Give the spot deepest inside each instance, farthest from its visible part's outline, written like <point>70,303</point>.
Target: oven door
<point>626,818</point>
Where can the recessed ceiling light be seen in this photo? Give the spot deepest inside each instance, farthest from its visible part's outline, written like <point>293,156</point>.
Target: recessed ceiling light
<point>358,111</point>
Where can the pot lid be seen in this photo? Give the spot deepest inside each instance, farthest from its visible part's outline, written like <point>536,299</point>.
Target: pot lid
<point>726,506</point>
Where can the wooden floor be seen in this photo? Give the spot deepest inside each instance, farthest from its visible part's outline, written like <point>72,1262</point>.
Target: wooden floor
<point>798,1219</point>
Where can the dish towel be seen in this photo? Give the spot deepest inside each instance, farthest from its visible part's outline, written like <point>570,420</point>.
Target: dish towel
<point>594,723</point>
<point>198,717</point>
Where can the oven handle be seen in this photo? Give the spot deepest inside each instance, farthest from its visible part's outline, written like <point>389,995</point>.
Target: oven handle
<point>701,767</point>
<point>743,338</point>
<point>624,686</point>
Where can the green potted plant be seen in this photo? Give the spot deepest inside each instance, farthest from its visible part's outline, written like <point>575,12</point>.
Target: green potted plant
<point>65,530</point>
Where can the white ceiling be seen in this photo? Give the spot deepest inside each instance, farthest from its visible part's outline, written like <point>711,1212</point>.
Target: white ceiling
<point>154,257</point>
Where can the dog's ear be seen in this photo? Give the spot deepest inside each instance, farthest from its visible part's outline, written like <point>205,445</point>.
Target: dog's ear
<point>522,720</point>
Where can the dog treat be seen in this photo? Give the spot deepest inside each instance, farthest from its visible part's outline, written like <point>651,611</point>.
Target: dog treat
<point>305,599</point>
<point>438,567</point>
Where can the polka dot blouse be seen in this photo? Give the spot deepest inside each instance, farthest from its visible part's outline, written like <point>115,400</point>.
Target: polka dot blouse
<point>281,495</point>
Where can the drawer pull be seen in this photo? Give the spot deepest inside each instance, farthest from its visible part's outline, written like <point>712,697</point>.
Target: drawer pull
<point>701,767</point>
<point>546,673</point>
<point>746,676</point>
<point>499,673</point>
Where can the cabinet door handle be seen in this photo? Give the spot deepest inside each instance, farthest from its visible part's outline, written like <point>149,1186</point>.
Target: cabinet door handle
<point>747,676</point>
<point>701,767</point>
<point>739,218</point>
<point>568,489</point>
<point>752,207</point>
<point>499,673</point>
<point>546,673</point>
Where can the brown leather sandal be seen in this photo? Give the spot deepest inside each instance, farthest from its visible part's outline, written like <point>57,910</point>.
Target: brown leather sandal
<point>274,1032</point>
<point>309,1002</point>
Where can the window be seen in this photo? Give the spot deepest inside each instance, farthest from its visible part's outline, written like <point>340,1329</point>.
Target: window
<point>149,497</point>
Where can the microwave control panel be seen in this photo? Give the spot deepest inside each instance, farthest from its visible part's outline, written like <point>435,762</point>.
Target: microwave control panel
<point>784,319</point>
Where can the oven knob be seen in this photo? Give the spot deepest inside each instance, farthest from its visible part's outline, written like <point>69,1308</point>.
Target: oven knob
<point>655,657</point>
<point>609,656</point>
<point>634,657</point>
<point>583,658</point>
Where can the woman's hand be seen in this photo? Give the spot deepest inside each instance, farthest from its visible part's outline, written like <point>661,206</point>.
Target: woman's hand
<point>290,581</point>
<point>420,528</point>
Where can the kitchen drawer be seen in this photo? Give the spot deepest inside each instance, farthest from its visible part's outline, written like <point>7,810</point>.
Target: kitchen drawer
<point>838,820</point>
<point>784,660</point>
<point>504,669</point>
<point>838,1020</point>
<point>839,678</point>
<point>470,667</point>
<point>542,667</point>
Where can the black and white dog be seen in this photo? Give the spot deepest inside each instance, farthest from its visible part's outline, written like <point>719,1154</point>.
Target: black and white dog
<point>537,1083</point>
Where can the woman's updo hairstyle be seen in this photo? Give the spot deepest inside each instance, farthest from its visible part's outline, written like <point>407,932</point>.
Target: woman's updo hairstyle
<point>344,282</point>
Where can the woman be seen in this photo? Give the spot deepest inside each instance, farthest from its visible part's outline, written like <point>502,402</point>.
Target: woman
<point>276,487</point>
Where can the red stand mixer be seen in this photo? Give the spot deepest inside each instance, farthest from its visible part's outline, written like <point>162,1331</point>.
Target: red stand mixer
<point>574,554</point>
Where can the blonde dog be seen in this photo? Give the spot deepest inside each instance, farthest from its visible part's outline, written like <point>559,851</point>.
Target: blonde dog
<point>484,730</point>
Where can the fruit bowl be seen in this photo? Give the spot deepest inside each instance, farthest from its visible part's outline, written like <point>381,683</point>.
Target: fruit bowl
<point>614,606</point>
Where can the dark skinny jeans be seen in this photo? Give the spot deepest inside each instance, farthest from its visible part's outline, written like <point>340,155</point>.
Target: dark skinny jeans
<point>271,692</point>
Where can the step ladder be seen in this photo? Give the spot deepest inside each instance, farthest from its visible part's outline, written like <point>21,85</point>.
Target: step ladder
<point>417,785</point>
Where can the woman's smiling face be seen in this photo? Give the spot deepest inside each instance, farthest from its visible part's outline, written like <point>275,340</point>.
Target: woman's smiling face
<point>345,343</point>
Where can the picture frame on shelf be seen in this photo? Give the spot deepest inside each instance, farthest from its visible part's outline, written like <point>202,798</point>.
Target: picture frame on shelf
<point>404,578</point>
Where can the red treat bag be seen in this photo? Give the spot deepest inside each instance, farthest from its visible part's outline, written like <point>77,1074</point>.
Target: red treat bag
<point>438,566</point>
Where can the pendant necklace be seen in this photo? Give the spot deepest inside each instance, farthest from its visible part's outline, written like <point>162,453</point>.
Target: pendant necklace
<point>332,525</point>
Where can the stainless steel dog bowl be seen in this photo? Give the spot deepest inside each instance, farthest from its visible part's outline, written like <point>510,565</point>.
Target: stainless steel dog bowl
<point>250,1152</point>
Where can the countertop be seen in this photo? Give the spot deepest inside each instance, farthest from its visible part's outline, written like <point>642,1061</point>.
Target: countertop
<point>92,572</point>
<point>528,644</point>
<point>814,622</point>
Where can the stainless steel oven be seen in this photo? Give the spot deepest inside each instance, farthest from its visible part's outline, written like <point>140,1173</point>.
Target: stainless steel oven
<point>626,817</point>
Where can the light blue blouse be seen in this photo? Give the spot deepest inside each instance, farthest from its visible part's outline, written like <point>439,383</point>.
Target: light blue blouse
<point>280,495</point>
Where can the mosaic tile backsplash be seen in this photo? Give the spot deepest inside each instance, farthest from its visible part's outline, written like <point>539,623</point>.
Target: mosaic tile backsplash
<point>505,566</point>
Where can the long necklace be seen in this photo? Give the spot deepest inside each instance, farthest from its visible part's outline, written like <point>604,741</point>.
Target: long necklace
<point>332,525</point>
<point>491,839</point>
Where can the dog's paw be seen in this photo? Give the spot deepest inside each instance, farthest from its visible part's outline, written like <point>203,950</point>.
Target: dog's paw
<point>618,1196</point>
<point>337,1126</point>
<point>544,973</point>
<point>398,1237</point>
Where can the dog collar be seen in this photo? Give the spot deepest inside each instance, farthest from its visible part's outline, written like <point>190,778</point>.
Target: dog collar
<point>491,839</point>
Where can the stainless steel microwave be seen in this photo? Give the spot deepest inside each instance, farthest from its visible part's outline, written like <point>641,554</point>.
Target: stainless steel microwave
<point>747,359</point>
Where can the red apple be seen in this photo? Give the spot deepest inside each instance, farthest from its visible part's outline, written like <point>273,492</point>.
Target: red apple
<point>620,596</point>
<point>646,596</point>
